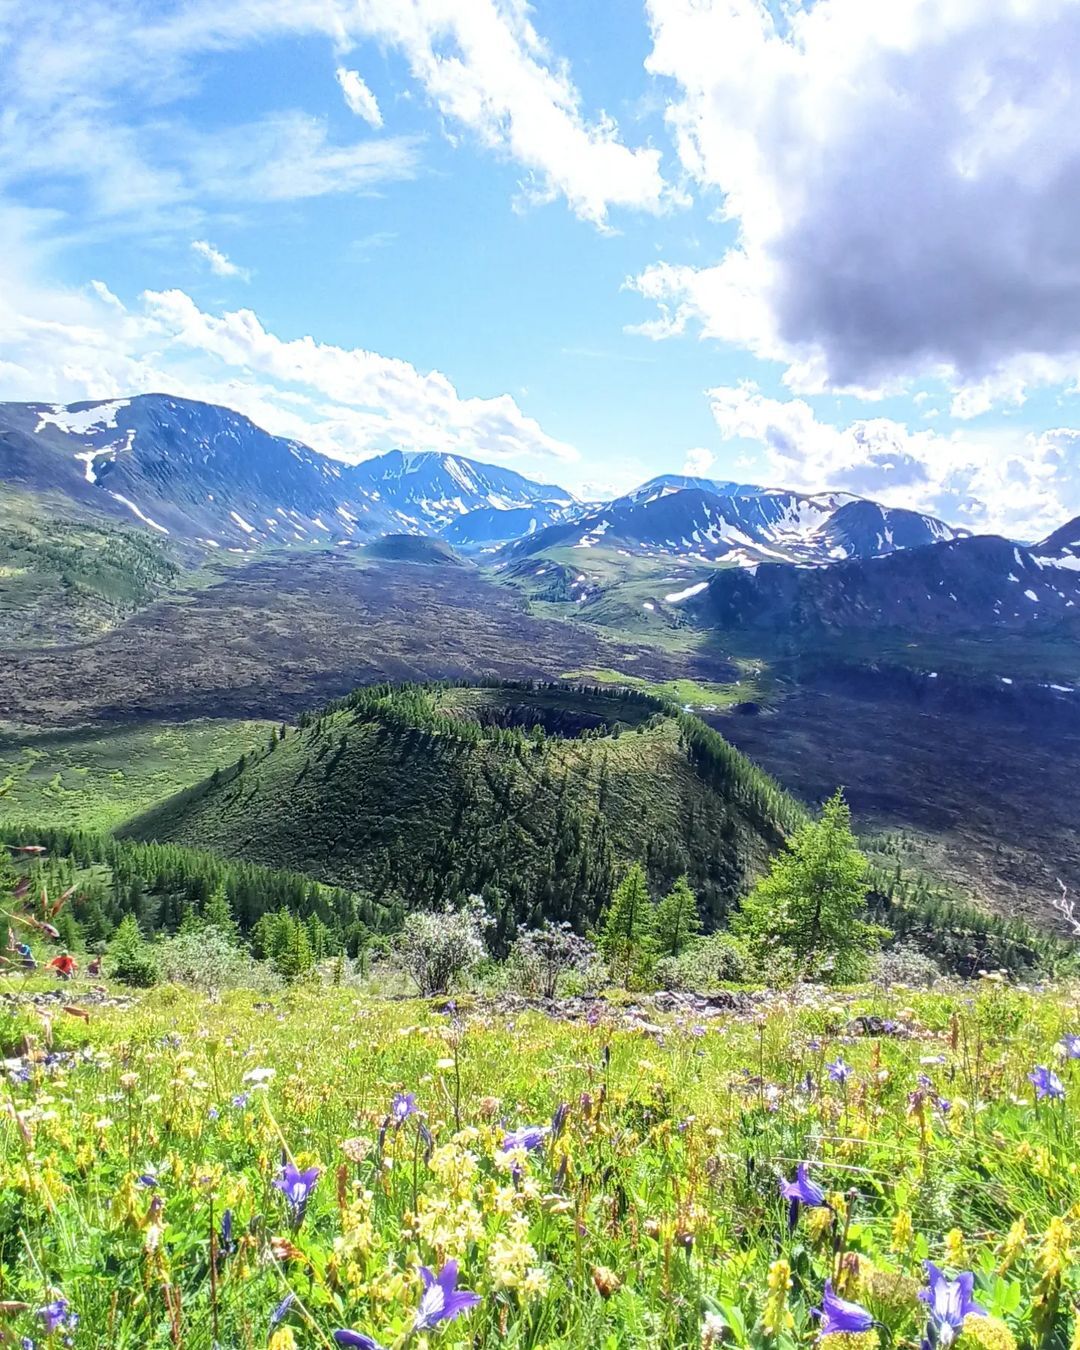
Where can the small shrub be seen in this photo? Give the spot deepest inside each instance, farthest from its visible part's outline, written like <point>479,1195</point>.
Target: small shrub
<point>436,949</point>
<point>705,965</point>
<point>542,956</point>
<point>904,963</point>
<point>210,961</point>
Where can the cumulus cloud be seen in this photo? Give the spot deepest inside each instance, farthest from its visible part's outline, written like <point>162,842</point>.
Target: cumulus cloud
<point>899,183</point>
<point>1008,481</point>
<point>219,263</point>
<point>62,345</point>
<point>698,462</point>
<point>358,96</point>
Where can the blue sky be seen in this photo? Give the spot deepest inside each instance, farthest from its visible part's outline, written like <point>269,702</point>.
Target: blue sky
<point>797,243</point>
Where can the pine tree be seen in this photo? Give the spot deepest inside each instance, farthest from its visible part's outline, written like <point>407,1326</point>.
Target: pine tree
<point>677,920</point>
<point>217,913</point>
<point>628,925</point>
<point>130,960</point>
<point>96,927</point>
<point>811,907</point>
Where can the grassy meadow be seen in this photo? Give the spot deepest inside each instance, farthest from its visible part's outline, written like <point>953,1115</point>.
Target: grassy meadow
<point>96,777</point>
<point>143,1149</point>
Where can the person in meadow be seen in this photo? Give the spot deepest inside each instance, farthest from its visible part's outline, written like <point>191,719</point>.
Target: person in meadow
<point>65,966</point>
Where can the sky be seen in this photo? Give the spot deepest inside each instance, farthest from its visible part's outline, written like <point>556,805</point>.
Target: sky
<point>829,244</point>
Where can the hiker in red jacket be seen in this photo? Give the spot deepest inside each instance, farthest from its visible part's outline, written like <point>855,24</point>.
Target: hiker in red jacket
<point>65,966</point>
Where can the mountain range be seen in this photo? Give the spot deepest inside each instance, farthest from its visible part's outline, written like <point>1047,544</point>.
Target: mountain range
<point>205,474</point>
<point>744,556</point>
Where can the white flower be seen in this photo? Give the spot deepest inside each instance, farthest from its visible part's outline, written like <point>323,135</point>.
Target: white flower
<point>259,1075</point>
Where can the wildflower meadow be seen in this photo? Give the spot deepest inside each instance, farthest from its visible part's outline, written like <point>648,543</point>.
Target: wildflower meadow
<point>320,1168</point>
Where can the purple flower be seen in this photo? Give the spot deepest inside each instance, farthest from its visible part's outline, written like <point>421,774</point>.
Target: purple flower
<point>356,1339</point>
<point>442,1300</point>
<point>57,1316</point>
<point>241,1100</point>
<point>226,1245</point>
<point>558,1120</point>
<point>282,1308</point>
<point>839,1072</point>
<point>402,1107</point>
<point>296,1187</point>
<point>801,1191</point>
<point>528,1137</point>
<point>950,1302</point>
<point>837,1314</point>
<point>1070,1045</point>
<point>147,1179</point>
<point>1047,1083</point>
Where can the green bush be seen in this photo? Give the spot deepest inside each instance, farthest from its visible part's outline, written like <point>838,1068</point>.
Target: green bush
<point>131,961</point>
<point>704,966</point>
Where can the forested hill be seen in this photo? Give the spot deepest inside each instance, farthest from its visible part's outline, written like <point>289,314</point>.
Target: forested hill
<point>533,796</point>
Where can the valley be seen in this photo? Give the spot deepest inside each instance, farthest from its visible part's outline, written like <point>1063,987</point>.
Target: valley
<point>837,642</point>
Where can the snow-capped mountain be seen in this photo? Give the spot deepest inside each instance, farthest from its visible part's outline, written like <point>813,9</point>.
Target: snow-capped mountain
<point>864,529</point>
<point>489,526</point>
<point>676,517</point>
<point>954,586</point>
<point>201,473</point>
<point>432,491</point>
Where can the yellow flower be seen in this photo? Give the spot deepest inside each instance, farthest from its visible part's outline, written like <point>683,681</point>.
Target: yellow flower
<point>1014,1242</point>
<point>903,1233</point>
<point>985,1333</point>
<point>955,1250</point>
<point>849,1340</point>
<point>283,1339</point>
<point>776,1316</point>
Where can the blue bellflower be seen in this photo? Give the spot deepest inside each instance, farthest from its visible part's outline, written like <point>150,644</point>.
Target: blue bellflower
<point>837,1314</point>
<point>402,1107</point>
<point>839,1072</point>
<point>357,1339</point>
<point>57,1316</point>
<point>296,1187</point>
<point>442,1300</point>
<point>282,1309</point>
<point>949,1302</point>
<point>1070,1045</point>
<point>529,1137</point>
<point>801,1191</point>
<point>1047,1083</point>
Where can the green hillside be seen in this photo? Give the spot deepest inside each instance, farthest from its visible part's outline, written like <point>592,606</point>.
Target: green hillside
<point>533,796</point>
<point>64,578</point>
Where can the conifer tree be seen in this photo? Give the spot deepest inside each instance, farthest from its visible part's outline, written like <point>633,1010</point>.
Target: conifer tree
<point>811,907</point>
<point>677,920</point>
<point>217,913</point>
<point>628,925</point>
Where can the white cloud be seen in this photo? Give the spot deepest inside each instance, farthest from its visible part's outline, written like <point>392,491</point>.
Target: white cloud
<point>88,89</point>
<point>899,183</point>
<point>485,66</point>
<point>358,96</point>
<point>1004,480</point>
<point>219,263</point>
<point>698,462</point>
<point>63,345</point>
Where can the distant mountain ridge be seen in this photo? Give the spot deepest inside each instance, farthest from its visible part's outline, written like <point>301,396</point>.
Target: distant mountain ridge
<point>690,519</point>
<point>952,586</point>
<point>203,473</point>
